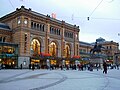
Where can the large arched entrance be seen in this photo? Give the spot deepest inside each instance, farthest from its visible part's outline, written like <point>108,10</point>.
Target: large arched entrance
<point>67,54</point>
<point>35,52</point>
<point>53,51</point>
<point>35,47</point>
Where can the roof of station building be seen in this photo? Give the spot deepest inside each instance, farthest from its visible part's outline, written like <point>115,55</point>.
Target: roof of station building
<point>39,15</point>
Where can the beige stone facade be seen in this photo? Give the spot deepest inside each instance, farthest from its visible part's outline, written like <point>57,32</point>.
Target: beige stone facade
<point>40,35</point>
<point>109,51</point>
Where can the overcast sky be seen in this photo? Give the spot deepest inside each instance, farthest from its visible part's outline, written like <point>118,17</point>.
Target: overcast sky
<point>104,15</point>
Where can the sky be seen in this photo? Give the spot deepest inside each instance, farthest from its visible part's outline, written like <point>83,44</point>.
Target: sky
<point>104,15</point>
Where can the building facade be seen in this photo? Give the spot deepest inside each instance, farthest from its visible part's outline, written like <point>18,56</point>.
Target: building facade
<point>8,51</point>
<point>84,49</point>
<point>40,38</point>
<point>110,51</point>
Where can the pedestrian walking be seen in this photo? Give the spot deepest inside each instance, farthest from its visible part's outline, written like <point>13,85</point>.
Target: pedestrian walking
<point>104,67</point>
<point>3,66</point>
<point>0,66</point>
<point>33,67</point>
<point>117,66</point>
<point>97,66</point>
<point>21,66</point>
<point>29,66</point>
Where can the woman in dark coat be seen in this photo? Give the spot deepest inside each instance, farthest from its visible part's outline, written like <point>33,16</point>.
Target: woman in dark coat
<point>105,67</point>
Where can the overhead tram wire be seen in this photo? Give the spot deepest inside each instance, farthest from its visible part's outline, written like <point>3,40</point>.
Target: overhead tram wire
<point>11,4</point>
<point>73,17</point>
<point>94,10</point>
<point>107,18</point>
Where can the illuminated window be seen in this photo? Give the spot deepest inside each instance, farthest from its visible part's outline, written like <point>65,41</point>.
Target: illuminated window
<point>67,51</point>
<point>53,49</point>
<point>35,46</point>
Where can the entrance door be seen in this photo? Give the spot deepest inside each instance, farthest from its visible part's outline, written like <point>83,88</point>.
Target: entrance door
<point>36,63</point>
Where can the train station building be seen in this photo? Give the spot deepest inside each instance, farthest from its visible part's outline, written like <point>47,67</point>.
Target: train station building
<point>28,37</point>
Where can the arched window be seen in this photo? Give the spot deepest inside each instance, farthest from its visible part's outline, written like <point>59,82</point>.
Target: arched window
<point>35,47</point>
<point>55,31</point>
<point>0,39</point>
<point>40,27</point>
<point>35,25</point>
<point>67,51</point>
<point>4,38</point>
<point>43,28</point>
<point>32,25</point>
<point>53,49</point>
<point>50,29</point>
<point>59,32</point>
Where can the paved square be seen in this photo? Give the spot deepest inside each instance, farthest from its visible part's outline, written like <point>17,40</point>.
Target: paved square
<point>59,80</point>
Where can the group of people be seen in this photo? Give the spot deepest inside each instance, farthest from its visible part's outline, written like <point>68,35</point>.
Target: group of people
<point>72,67</point>
<point>80,67</point>
<point>2,66</point>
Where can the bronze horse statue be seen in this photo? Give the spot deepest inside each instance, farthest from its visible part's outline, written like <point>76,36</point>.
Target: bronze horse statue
<point>97,48</point>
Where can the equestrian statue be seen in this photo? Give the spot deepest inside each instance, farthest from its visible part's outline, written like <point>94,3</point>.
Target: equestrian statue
<point>97,48</point>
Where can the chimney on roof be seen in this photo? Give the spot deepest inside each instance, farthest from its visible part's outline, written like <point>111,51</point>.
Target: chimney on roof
<point>29,9</point>
<point>22,6</point>
<point>17,9</point>
<point>48,15</point>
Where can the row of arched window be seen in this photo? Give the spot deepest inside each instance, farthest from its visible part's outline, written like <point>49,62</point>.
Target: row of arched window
<point>38,26</point>
<point>55,31</point>
<point>2,39</point>
<point>109,47</point>
<point>68,34</point>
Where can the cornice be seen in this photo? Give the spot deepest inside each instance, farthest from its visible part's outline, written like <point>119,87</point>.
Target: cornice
<point>38,16</point>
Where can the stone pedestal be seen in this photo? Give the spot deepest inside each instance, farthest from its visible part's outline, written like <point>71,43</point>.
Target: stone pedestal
<point>97,59</point>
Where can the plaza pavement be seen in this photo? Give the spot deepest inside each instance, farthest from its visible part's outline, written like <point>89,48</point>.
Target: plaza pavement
<point>59,80</point>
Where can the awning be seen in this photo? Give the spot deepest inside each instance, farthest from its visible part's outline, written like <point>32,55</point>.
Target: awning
<point>76,56</point>
<point>109,61</point>
<point>45,54</point>
<point>9,55</point>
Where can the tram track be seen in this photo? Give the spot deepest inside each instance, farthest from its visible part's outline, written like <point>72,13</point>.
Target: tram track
<point>106,79</point>
<point>64,77</point>
<point>8,79</point>
<point>105,75</point>
<point>60,79</point>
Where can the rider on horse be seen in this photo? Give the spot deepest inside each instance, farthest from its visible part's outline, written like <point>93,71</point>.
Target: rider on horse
<point>97,48</point>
